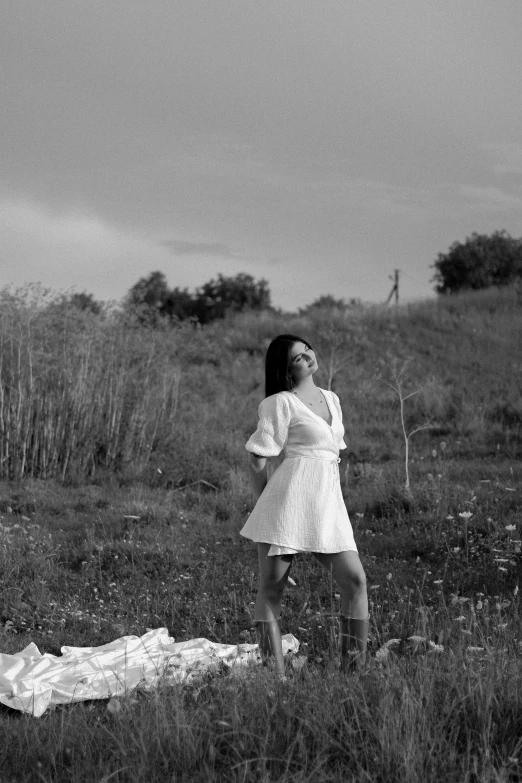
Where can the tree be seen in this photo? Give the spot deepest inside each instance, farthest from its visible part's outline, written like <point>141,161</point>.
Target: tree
<point>329,303</point>
<point>148,297</point>
<point>154,302</point>
<point>179,303</point>
<point>231,294</point>
<point>85,301</point>
<point>151,291</point>
<point>479,262</point>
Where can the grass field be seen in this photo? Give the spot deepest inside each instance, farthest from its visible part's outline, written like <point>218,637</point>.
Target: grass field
<point>112,546</point>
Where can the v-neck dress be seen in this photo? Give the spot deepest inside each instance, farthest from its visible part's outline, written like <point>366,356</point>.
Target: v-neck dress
<point>301,508</point>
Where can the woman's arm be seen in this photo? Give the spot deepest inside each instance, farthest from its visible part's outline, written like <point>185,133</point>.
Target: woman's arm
<point>258,473</point>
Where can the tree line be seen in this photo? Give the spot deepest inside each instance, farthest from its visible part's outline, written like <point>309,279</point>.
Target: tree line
<point>152,301</point>
<point>481,261</point>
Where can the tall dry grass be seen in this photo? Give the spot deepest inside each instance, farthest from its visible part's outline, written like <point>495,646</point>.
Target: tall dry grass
<point>79,391</point>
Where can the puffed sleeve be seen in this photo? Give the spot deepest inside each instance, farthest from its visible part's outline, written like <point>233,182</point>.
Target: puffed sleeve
<point>272,429</point>
<point>342,444</point>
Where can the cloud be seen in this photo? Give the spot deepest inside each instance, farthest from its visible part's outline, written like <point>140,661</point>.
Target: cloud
<point>183,248</point>
<point>419,202</point>
<point>490,199</point>
<point>69,249</point>
<point>509,157</point>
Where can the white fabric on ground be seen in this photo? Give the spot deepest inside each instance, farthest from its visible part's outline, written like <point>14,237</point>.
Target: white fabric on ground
<point>31,682</point>
<point>302,507</point>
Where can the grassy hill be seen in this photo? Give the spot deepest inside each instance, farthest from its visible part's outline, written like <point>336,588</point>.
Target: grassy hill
<point>84,393</point>
<point>123,490</point>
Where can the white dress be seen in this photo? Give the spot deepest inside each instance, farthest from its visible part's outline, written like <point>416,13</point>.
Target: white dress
<point>301,509</point>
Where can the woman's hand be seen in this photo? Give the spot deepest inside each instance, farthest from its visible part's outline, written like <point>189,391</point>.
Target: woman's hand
<point>258,473</point>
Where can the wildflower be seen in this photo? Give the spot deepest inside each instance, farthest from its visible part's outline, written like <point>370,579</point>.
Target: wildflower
<point>437,581</point>
<point>389,577</point>
<point>515,591</point>
<point>449,518</point>
<point>456,549</point>
<point>511,528</point>
<point>434,453</point>
<point>460,619</point>
<point>443,445</point>
<point>465,514</point>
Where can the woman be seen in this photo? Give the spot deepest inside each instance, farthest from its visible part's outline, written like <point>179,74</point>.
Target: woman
<point>300,508</point>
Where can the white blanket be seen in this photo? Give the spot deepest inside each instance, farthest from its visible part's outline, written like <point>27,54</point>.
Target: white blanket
<point>31,682</point>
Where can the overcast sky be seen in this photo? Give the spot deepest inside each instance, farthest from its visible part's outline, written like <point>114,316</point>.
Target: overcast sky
<point>319,144</point>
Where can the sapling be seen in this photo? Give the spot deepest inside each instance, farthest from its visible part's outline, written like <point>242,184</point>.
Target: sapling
<point>396,383</point>
<point>341,339</point>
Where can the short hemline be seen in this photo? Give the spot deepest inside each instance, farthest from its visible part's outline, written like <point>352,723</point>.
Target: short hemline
<point>303,551</point>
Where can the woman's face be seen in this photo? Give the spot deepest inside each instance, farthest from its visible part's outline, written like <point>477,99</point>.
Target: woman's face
<point>302,362</point>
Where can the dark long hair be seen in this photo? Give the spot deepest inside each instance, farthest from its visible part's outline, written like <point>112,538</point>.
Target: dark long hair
<point>277,363</point>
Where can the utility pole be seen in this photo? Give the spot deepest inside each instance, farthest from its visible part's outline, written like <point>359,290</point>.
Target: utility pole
<point>395,288</point>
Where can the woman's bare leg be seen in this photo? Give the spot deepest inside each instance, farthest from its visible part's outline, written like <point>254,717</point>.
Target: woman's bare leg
<point>348,573</point>
<point>273,576</point>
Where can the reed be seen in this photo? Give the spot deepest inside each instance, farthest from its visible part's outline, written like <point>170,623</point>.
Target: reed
<point>81,392</point>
